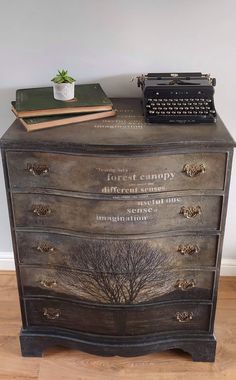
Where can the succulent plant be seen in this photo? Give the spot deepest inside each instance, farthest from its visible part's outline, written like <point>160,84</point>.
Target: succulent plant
<point>63,77</point>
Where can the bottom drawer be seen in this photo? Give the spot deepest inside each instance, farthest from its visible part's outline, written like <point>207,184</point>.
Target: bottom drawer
<point>116,320</point>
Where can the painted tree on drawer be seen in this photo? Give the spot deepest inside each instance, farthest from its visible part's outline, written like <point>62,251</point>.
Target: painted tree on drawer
<point>118,272</point>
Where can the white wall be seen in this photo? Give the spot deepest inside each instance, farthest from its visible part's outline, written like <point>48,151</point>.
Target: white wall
<point>110,41</point>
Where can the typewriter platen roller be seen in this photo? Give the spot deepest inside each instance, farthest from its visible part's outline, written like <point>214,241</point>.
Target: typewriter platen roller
<point>178,97</point>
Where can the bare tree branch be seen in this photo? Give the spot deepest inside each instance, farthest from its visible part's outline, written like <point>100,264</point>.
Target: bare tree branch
<point>118,272</point>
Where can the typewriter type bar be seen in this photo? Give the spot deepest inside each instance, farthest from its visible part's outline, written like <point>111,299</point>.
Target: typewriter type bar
<point>178,98</point>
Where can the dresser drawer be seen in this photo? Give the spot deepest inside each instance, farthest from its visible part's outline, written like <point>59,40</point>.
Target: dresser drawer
<point>137,282</point>
<point>117,175</point>
<point>118,320</point>
<point>50,249</point>
<point>113,216</point>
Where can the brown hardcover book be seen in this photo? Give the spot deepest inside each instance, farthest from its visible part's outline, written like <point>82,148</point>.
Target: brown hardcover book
<point>43,122</point>
<point>31,102</point>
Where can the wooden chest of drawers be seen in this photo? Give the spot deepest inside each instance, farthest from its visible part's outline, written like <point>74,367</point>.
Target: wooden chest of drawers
<point>117,229</point>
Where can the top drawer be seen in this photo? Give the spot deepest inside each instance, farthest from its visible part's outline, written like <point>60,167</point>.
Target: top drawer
<point>117,175</point>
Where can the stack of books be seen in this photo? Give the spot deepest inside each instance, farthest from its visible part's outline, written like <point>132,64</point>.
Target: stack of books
<point>37,109</point>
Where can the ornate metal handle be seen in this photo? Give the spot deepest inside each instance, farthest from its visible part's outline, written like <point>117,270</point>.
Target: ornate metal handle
<point>185,284</point>
<point>184,316</point>
<point>188,249</point>
<point>45,248</point>
<point>37,169</point>
<point>51,313</point>
<point>42,210</point>
<point>48,283</point>
<point>190,212</point>
<point>192,170</point>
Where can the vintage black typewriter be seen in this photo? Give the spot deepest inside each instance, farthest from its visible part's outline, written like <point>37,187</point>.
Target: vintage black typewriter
<point>178,97</point>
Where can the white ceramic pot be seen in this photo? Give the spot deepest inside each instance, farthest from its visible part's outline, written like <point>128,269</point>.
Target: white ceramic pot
<point>64,91</point>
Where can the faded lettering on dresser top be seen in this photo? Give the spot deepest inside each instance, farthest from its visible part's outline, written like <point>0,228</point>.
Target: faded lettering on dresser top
<point>120,134</point>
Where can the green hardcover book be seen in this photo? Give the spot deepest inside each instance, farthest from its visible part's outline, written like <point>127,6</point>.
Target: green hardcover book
<point>40,101</point>
<point>42,122</point>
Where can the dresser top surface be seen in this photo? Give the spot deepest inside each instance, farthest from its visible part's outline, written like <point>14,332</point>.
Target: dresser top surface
<point>126,131</point>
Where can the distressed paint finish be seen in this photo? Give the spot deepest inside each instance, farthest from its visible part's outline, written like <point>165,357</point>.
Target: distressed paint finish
<point>118,175</point>
<point>127,133</point>
<point>119,321</point>
<point>158,284</point>
<point>116,216</point>
<point>60,249</point>
<point>161,190</point>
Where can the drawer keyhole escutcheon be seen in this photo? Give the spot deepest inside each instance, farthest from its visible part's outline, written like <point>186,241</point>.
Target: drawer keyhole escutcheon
<point>45,248</point>
<point>37,169</point>
<point>185,284</point>
<point>193,170</point>
<point>48,283</point>
<point>188,249</point>
<point>42,210</point>
<point>184,316</point>
<point>190,212</point>
<point>51,313</point>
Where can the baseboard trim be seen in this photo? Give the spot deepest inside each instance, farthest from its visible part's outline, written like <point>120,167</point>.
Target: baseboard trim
<point>7,261</point>
<point>228,267</point>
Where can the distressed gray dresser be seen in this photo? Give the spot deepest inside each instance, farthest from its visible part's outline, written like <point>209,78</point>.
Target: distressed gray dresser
<point>117,228</point>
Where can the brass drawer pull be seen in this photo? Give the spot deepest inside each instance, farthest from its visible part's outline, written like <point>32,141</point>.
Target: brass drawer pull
<point>37,169</point>
<point>192,170</point>
<point>48,283</point>
<point>190,212</point>
<point>185,284</point>
<point>45,248</point>
<point>42,210</point>
<point>188,249</point>
<point>51,313</point>
<point>184,316</point>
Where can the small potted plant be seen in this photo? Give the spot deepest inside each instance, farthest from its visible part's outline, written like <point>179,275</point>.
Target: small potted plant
<point>63,86</point>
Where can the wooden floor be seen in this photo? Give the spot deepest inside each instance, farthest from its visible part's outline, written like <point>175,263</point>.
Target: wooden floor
<point>65,364</point>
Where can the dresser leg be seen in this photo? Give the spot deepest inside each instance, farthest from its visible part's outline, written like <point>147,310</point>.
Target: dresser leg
<point>201,351</point>
<point>31,346</point>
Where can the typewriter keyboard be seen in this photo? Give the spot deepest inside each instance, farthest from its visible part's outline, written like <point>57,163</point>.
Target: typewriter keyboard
<point>179,106</point>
